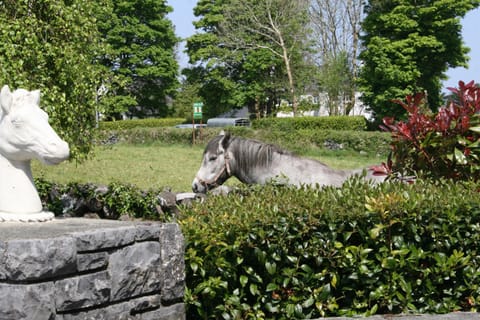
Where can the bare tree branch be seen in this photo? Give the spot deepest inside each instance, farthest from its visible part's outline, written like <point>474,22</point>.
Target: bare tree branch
<point>274,25</point>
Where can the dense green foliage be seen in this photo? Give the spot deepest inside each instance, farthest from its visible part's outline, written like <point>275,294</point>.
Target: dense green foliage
<point>274,30</point>
<point>142,57</point>
<point>186,96</point>
<point>286,253</point>
<point>216,80</point>
<point>242,68</point>
<point>357,123</point>
<point>443,144</point>
<point>296,140</point>
<point>272,252</point>
<point>50,45</point>
<point>118,199</point>
<point>56,46</point>
<point>140,123</point>
<point>409,45</point>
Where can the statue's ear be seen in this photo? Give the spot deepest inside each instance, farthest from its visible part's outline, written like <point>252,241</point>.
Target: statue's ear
<point>35,96</point>
<point>5,99</point>
<point>225,141</point>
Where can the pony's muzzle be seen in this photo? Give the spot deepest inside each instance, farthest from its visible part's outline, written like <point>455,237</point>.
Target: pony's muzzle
<point>198,187</point>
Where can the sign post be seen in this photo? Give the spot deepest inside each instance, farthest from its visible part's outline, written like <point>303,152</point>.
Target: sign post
<point>197,115</point>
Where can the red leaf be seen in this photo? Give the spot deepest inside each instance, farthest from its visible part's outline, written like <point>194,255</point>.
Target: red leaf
<point>381,169</point>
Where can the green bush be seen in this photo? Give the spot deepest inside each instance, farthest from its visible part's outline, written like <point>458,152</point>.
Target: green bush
<point>355,123</point>
<point>140,123</point>
<point>271,252</point>
<point>285,253</point>
<point>109,202</point>
<point>368,141</point>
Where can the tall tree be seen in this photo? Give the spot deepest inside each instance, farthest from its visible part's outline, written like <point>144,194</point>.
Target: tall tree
<point>336,80</point>
<point>186,96</point>
<point>143,55</point>
<point>278,26</point>
<point>51,45</point>
<point>336,29</point>
<point>217,79</point>
<point>408,47</point>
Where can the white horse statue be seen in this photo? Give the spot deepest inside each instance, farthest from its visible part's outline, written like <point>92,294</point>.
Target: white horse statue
<point>24,135</point>
<point>255,162</point>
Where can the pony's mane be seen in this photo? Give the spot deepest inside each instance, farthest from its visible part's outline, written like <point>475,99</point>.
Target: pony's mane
<point>250,153</point>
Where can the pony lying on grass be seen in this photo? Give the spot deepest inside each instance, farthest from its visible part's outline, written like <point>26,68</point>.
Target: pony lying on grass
<point>255,162</point>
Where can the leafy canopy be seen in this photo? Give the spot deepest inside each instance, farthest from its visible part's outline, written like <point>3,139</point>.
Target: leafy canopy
<point>50,45</point>
<point>409,45</point>
<point>239,59</point>
<point>142,56</point>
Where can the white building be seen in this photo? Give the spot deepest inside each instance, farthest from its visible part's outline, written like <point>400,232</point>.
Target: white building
<point>359,109</point>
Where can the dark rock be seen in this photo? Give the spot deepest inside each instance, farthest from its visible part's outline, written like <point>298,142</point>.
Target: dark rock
<point>39,259</point>
<point>27,302</point>
<point>135,270</point>
<point>92,261</point>
<point>82,291</point>
<point>173,264</point>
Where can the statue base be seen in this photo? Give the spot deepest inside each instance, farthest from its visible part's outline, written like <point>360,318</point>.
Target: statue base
<point>41,216</point>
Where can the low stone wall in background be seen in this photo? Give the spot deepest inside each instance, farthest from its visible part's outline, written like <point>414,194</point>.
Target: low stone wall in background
<point>71,269</point>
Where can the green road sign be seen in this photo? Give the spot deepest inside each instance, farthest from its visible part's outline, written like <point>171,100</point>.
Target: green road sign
<point>197,110</point>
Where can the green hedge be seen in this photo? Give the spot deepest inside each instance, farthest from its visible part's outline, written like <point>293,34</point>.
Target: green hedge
<point>271,252</point>
<point>368,141</point>
<point>140,123</point>
<point>356,123</point>
<point>285,253</point>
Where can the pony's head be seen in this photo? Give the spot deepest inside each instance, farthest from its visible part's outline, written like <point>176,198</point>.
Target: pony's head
<point>215,167</point>
<point>24,129</point>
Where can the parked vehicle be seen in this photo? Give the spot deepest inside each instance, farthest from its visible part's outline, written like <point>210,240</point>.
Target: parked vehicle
<point>228,122</point>
<point>191,125</point>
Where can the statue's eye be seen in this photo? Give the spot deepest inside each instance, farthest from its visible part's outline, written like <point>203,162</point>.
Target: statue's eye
<point>17,122</point>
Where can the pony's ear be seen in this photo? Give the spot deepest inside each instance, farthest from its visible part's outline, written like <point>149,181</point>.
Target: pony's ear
<point>225,141</point>
<point>222,133</point>
<point>6,99</point>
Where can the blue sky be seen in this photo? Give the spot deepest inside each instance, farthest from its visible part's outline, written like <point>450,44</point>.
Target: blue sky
<point>182,18</point>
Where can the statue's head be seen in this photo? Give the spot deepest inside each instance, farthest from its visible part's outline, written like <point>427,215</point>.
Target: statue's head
<point>24,129</point>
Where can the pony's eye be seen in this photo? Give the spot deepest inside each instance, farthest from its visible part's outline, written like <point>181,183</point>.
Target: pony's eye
<point>212,157</point>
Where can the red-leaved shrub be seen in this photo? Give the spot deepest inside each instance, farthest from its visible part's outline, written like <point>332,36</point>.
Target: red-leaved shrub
<point>445,144</point>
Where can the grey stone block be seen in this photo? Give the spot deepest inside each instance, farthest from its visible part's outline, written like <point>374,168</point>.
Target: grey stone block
<point>79,269</point>
<point>39,259</point>
<point>143,304</point>
<point>92,261</point>
<point>173,312</point>
<point>105,238</point>
<point>129,310</point>
<point>119,311</point>
<point>3,272</point>
<point>27,302</point>
<point>173,265</point>
<point>82,291</point>
<point>148,232</point>
<point>135,270</point>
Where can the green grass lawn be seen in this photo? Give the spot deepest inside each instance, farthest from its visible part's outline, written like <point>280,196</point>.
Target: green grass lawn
<point>158,166</point>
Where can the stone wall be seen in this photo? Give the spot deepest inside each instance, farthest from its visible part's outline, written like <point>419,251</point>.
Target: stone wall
<point>71,269</point>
